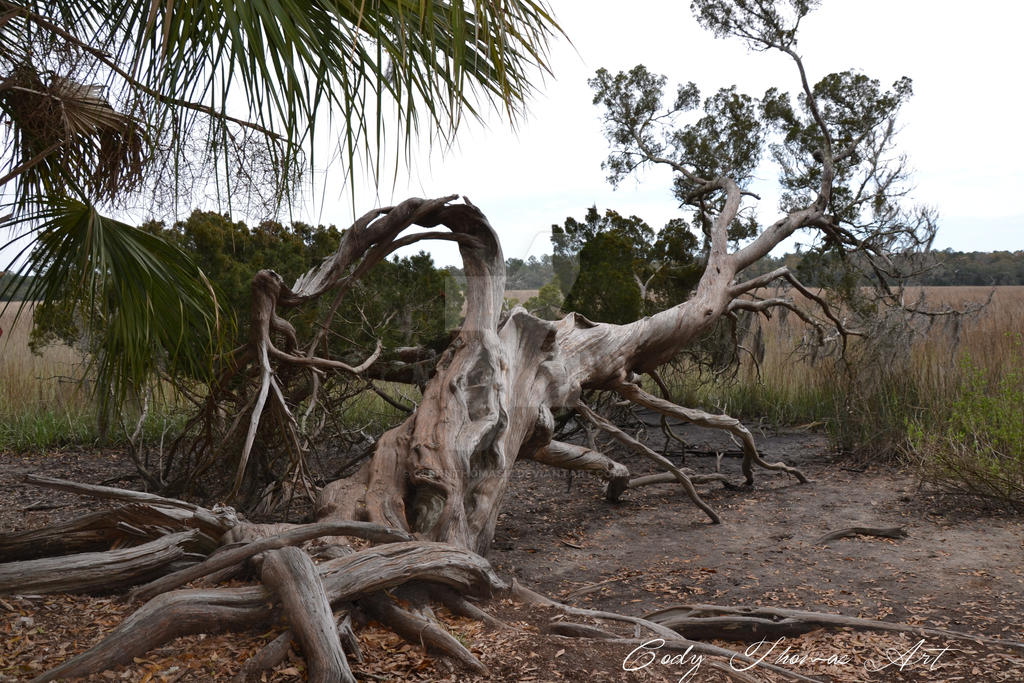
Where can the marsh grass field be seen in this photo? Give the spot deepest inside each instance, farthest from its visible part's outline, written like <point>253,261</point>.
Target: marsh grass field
<point>948,404</point>
<point>42,403</point>
<point>956,391</point>
<point>790,386</point>
<point>956,568</point>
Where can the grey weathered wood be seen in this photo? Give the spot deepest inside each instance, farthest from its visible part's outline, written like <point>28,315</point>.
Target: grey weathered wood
<point>673,641</point>
<point>292,576</point>
<point>625,439</point>
<point>419,631</point>
<point>349,641</point>
<point>127,524</point>
<point>459,605</point>
<point>391,565</point>
<point>757,622</point>
<point>269,656</point>
<point>95,531</point>
<point>181,612</point>
<point>751,457</point>
<point>97,572</point>
<point>669,478</point>
<point>886,532</point>
<point>294,536</point>
<point>571,456</point>
<point>221,520</point>
<point>168,616</point>
<point>442,473</point>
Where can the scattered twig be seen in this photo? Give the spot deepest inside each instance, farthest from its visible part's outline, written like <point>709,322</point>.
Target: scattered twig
<point>592,587</point>
<point>742,622</point>
<point>887,532</point>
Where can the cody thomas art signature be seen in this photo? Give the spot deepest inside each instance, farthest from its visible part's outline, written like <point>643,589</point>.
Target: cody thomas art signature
<point>775,652</point>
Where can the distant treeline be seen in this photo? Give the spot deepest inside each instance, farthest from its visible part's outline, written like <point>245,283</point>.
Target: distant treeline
<point>11,289</point>
<point>533,273</point>
<point>935,268</point>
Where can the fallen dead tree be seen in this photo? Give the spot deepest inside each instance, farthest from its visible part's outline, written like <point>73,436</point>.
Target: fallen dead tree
<point>419,515</point>
<point>316,600</point>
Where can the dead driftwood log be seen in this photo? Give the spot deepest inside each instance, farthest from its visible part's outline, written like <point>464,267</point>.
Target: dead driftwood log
<point>751,624</point>
<point>880,532</point>
<point>428,499</point>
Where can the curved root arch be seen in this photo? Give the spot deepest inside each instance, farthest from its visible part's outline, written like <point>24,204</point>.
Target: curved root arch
<point>443,472</point>
<point>431,493</point>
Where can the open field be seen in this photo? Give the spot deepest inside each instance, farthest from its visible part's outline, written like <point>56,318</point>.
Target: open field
<point>41,403</point>
<point>520,295</point>
<point>791,386</point>
<point>40,406</point>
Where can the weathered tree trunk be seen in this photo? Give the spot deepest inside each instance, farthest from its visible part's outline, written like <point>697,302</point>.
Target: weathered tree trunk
<point>443,473</point>
<point>439,477</point>
<point>432,491</point>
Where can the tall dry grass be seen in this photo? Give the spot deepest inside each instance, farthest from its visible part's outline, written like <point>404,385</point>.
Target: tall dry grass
<point>793,385</point>
<point>945,398</point>
<point>41,401</point>
<point>788,384</point>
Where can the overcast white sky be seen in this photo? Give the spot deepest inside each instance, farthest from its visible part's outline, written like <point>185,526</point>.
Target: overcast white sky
<point>962,130</point>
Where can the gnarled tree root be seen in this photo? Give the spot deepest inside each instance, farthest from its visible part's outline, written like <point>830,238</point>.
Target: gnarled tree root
<point>570,456</point>
<point>102,571</point>
<point>269,656</point>
<point>886,532</point>
<point>212,522</point>
<point>290,574</point>
<point>754,623</point>
<point>368,571</point>
<point>667,638</point>
<point>751,457</point>
<point>274,652</point>
<point>294,536</point>
<point>668,478</point>
<point>418,630</point>
<point>627,440</point>
<point>129,524</point>
<point>676,626</point>
<point>464,608</point>
<point>169,616</point>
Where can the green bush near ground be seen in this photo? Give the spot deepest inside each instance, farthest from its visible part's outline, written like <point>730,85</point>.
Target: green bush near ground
<point>978,448</point>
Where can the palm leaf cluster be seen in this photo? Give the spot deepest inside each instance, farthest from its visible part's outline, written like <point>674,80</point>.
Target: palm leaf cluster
<point>110,105</point>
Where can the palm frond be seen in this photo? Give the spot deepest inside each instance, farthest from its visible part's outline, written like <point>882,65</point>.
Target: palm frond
<point>149,306</point>
<point>380,64</point>
<point>98,95</point>
<point>65,135</point>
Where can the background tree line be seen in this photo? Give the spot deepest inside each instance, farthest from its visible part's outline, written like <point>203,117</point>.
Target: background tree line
<point>618,248</point>
<point>612,268</point>
<point>406,301</point>
<point>934,268</point>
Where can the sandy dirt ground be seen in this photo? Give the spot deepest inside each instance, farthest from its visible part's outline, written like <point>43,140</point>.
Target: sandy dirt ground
<point>957,569</point>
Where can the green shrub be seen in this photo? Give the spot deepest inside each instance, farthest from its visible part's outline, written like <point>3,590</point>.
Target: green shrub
<point>979,450</point>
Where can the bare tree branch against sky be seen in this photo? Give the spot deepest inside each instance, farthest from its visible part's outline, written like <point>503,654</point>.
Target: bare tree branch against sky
<point>961,128</point>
